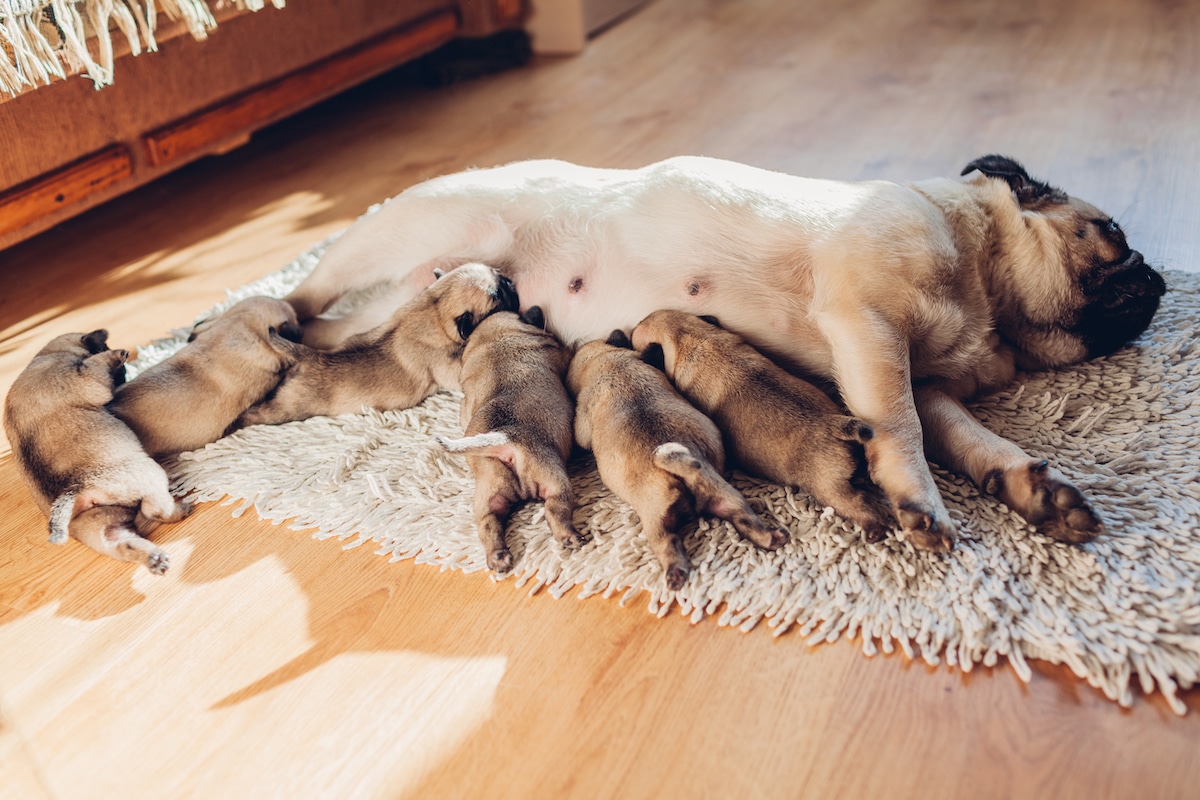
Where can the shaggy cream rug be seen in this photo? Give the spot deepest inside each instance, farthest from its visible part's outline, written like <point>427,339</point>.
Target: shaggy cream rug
<point>1120,610</point>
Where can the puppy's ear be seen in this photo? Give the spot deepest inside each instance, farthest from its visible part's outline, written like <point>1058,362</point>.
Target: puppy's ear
<point>618,339</point>
<point>290,331</point>
<point>1029,192</point>
<point>96,341</point>
<point>466,323</point>
<point>437,273</point>
<point>534,316</point>
<point>653,355</point>
<point>711,320</point>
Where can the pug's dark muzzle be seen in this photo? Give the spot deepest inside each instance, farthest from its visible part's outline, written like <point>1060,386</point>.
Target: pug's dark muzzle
<point>1120,300</point>
<point>506,294</point>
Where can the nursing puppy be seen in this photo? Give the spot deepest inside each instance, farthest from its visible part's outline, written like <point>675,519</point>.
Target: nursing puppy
<point>776,426</point>
<point>85,468</point>
<point>518,422</point>
<point>231,362</point>
<point>655,451</point>
<point>909,297</point>
<point>397,364</point>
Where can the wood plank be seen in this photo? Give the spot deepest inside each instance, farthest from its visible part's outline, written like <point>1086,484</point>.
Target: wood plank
<point>267,656</point>
<point>257,107</point>
<point>23,204</point>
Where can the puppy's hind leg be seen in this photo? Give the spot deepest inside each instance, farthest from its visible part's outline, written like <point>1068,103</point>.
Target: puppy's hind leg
<point>111,531</point>
<point>661,512</point>
<point>715,496</point>
<point>496,493</point>
<point>61,511</point>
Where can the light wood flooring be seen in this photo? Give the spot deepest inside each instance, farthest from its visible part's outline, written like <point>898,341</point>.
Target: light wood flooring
<point>269,664</point>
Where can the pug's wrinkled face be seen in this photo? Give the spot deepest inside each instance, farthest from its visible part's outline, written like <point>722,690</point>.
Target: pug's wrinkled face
<point>1118,292</point>
<point>466,295</point>
<point>1092,294</point>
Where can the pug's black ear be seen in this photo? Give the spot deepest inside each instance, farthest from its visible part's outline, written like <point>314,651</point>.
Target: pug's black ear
<point>291,331</point>
<point>618,339</point>
<point>653,355</point>
<point>437,273</point>
<point>534,316</point>
<point>711,320</point>
<point>96,341</point>
<point>1029,192</point>
<point>466,324</point>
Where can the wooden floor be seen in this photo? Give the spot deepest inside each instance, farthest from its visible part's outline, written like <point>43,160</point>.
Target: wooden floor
<point>268,664</point>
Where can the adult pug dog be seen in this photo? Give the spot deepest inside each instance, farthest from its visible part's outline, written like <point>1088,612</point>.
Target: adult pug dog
<point>909,297</point>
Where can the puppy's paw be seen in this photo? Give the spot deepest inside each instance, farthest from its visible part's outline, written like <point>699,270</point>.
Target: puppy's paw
<point>500,561</point>
<point>1047,500</point>
<point>158,562</point>
<point>922,527</point>
<point>874,532</point>
<point>58,537</point>
<point>677,575</point>
<point>570,540</point>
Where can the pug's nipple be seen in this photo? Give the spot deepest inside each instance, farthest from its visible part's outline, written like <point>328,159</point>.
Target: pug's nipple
<point>697,287</point>
<point>575,286</point>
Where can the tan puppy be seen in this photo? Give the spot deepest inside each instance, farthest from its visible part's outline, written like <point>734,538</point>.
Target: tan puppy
<point>85,468</point>
<point>231,362</point>
<point>776,425</point>
<point>655,451</point>
<point>518,420</point>
<point>910,297</point>
<point>397,364</point>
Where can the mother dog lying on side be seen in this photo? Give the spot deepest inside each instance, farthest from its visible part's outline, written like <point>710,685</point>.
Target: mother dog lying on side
<point>909,298</point>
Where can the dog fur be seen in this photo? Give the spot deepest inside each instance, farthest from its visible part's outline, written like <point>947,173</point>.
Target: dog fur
<point>518,421</point>
<point>775,425</point>
<point>231,362</point>
<point>86,469</point>
<point>909,298</point>
<point>397,364</point>
<point>655,451</point>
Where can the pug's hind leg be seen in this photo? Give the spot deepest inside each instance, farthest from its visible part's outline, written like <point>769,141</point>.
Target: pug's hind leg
<point>111,531</point>
<point>555,489</point>
<point>662,503</point>
<point>1027,485</point>
<point>715,496</point>
<point>496,493</point>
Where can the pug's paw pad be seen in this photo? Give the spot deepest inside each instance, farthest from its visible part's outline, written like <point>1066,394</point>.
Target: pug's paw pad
<point>158,562</point>
<point>922,527</point>
<point>676,577</point>
<point>1049,502</point>
<point>500,562</point>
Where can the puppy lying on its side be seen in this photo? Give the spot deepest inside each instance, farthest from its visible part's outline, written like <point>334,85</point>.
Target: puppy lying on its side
<point>230,363</point>
<point>85,468</point>
<point>397,364</point>
<point>776,425</point>
<point>518,420</point>
<point>655,451</point>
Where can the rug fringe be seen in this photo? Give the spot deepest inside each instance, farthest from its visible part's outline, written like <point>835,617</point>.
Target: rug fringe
<point>41,40</point>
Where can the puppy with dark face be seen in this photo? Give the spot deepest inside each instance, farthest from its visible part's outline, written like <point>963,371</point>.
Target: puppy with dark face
<point>85,468</point>
<point>518,421</point>
<point>776,425</point>
<point>655,451</point>
<point>397,364</point>
<point>231,362</point>
<point>909,298</point>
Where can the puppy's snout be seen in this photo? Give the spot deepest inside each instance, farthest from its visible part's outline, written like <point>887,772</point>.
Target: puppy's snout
<point>506,294</point>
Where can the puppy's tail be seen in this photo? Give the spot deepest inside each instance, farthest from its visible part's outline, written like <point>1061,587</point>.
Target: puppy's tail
<point>493,444</point>
<point>853,429</point>
<point>715,496</point>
